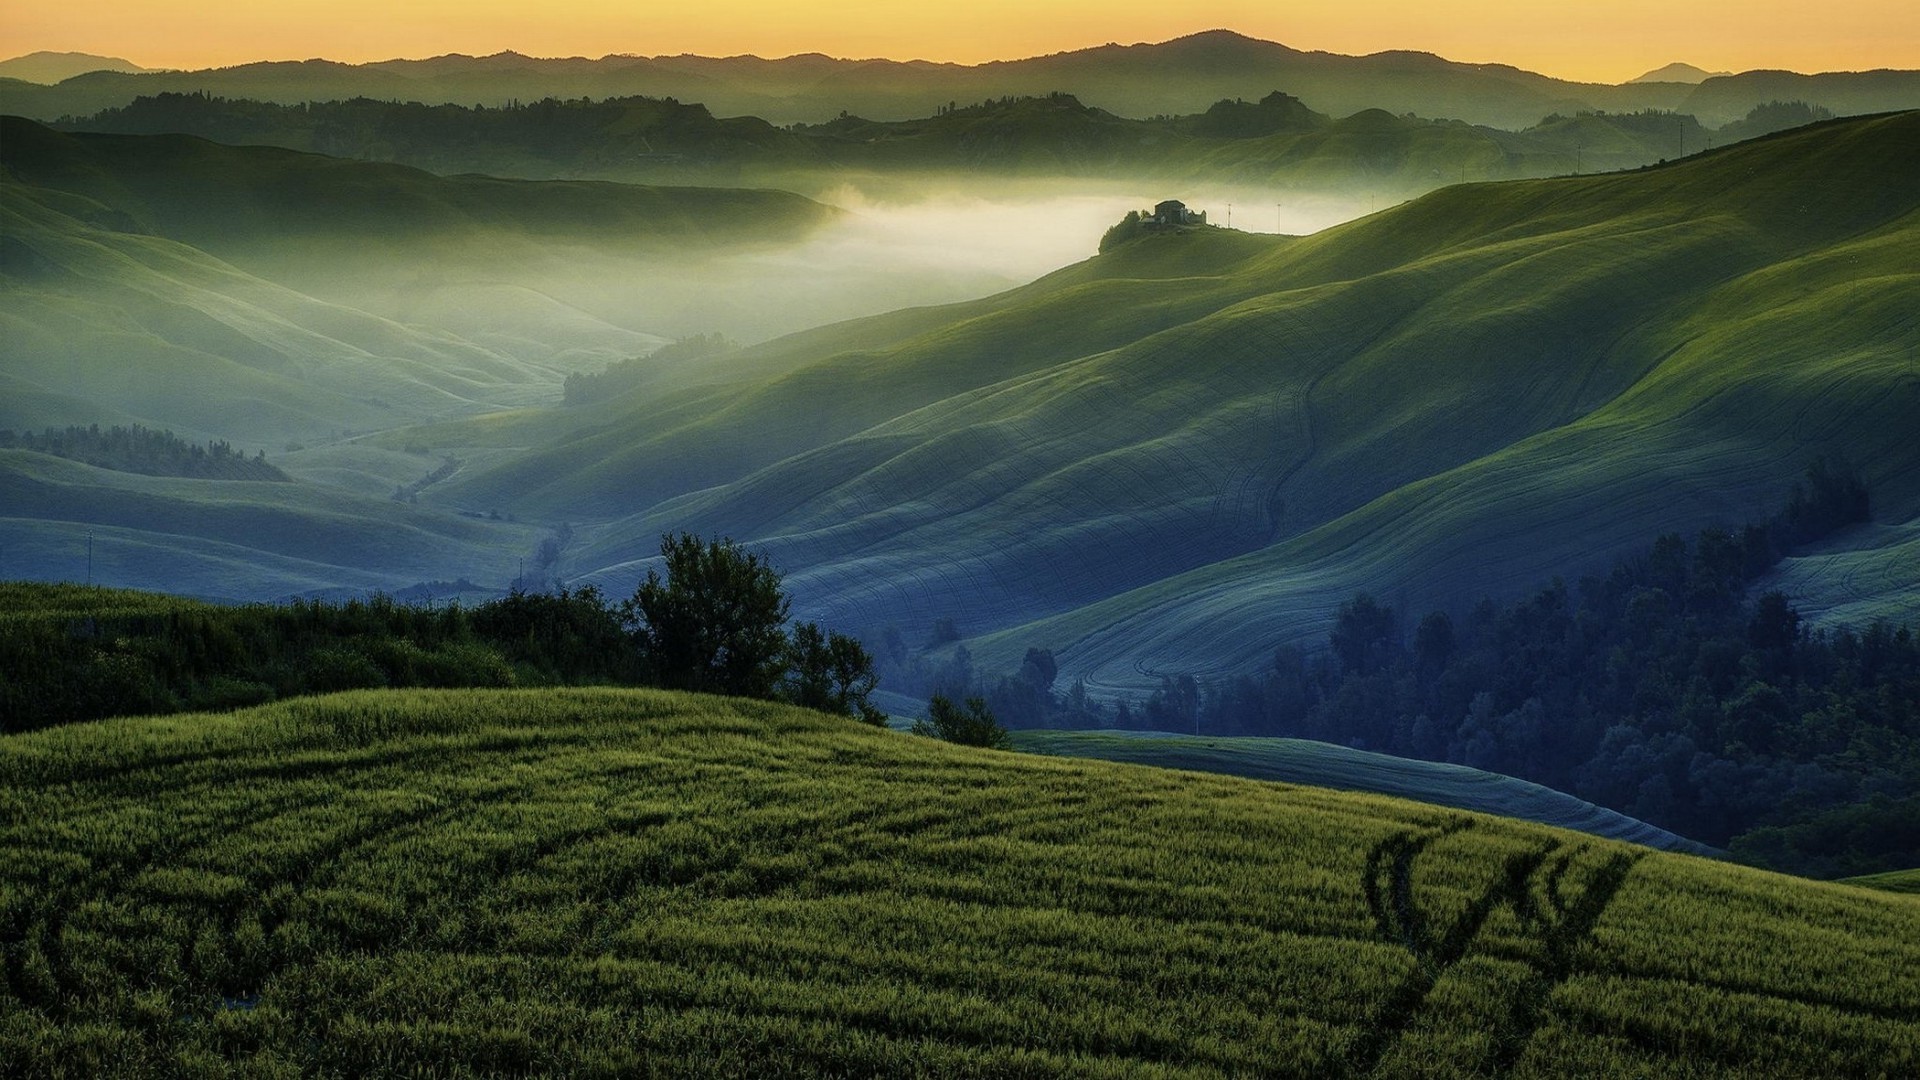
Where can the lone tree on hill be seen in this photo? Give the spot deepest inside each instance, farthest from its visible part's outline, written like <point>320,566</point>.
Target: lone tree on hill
<point>716,622</point>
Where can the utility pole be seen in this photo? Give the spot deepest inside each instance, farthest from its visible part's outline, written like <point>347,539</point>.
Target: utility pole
<point>89,556</point>
<point>1229,215</point>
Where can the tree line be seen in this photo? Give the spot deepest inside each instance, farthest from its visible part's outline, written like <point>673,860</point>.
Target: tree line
<point>716,621</point>
<point>142,450</point>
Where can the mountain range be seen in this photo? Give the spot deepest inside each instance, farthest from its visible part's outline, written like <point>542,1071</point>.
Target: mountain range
<point>1183,75</point>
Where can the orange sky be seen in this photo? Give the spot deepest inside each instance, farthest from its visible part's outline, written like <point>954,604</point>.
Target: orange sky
<point>1607,42</point>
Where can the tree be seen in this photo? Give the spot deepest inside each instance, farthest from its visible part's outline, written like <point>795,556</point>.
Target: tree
<point>1363,634</point>
<point>972,726</point>
<point>831,672</point>
<point>716,622</point>
<point>1433,644</point>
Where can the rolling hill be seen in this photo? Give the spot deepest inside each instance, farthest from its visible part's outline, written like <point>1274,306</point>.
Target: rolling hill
<point>1899,881</point>
<point>106,323</point>
<point>610,882</point>
<point>1187,451</point>
<point>236,539</point>
<point>1304,761</point>
<point>392,239</point>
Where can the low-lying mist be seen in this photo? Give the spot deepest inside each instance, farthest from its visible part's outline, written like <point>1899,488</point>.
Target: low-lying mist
<point>893,247</point>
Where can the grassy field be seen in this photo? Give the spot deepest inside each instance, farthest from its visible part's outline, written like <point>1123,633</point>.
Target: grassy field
<point>1898,881</point>
<point>604,883</point>
<point>1304,761</point>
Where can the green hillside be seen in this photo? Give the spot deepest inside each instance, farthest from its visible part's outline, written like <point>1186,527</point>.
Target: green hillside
<point>1303,761</point>
<point>1899,881</point>
<point>601,883</point>
<point>105,324</point>
<point>1185,452</point>
<point>235,539</point>
<point>215,196</point>
<point>536,268</point>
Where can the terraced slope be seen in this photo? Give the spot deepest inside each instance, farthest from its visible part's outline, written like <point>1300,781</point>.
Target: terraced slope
<point>1303,761</point>
<point>607,882</point>
<point>1181,454</point>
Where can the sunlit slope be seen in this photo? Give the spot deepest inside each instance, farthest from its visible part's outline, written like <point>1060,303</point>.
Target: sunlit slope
<point>1303,761</point>
<point>132,326</point>
<point>1468,394</point>
<point>612,882</point>
<point>233,539</point>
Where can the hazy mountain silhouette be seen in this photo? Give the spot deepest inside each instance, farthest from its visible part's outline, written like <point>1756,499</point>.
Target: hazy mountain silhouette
<point>1184,75</point>
<point>1679,73</point>
<point>52,67</point>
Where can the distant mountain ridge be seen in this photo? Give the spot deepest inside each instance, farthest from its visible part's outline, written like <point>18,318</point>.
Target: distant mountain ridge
<point>1181,75</point>
<point>1678,73</point>
<point>52,67</point>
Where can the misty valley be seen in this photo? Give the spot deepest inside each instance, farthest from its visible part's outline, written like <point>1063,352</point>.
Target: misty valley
<point>1194,559</point>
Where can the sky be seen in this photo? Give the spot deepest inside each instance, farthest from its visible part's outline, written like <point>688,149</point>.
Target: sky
<point>1608,41</point>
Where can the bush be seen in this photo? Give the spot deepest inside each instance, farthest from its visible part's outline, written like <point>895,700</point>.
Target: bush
<point>971,726</point>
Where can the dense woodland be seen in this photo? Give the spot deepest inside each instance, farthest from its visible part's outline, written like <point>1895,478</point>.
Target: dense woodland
<point>1660,689</point>
<point>142,450</point>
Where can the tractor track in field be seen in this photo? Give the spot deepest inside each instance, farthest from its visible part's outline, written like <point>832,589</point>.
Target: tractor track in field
<point>1560,927</point>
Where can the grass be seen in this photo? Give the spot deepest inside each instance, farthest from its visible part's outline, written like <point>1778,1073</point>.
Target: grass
<point>1303,761</point>
<point>1897,881</point>
<point>619,882</point>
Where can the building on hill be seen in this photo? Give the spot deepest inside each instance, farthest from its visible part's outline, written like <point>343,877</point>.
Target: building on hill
<point>1175,212</point>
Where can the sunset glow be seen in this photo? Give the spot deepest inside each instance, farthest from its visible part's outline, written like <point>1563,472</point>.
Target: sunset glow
<point>1606,43</point>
